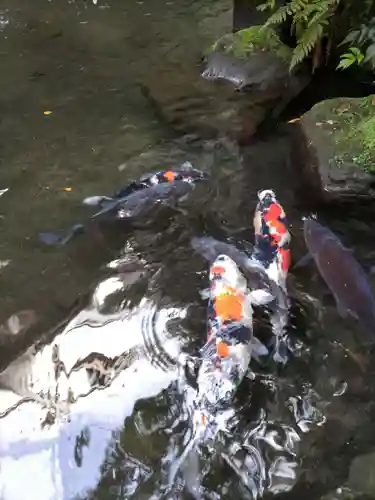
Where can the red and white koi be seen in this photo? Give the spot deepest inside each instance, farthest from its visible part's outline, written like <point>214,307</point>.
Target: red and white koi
<point>272,251</point>
<point>272,237</point>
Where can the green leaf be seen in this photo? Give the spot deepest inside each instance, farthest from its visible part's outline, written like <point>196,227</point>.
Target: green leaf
<point>370,52</point>
<point>356,51</point>
<point>363,35</point>
<point>345,62</point>
<point>371,34</point>
<point>350,38</point>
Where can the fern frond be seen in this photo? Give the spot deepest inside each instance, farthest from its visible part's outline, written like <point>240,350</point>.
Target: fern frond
<point>305,14</point>
<point>268,5</point>
<point>262,7</point>
<point>309,18</point>
<point>307,42</point>
<point>278,17</point>
<point>296,6</point>
<point>300,9</point>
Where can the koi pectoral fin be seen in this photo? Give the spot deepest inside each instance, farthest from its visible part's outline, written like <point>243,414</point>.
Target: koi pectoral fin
<point>205,294</point>
<point>261,297</point>
<point>93,201</point>
<point>250,375</point>
<point>306,259</point>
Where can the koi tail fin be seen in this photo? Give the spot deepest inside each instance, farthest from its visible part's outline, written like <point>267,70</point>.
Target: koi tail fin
<point>188,454</point>
<point>281,350</point>
<point>61,238</point>
<point>279,323</point>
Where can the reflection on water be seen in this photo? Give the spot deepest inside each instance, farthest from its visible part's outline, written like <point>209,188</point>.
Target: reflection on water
<point>87,382</point>
<point>92,401</point>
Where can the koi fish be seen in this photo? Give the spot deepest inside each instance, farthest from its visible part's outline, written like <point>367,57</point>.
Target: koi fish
<point>272,237</point>
<point>142,201</point>
<point>226,355</point>
<point>253,270</point>
<point>186,173</point>
<point>224,359</point>
<point>136,199</point>
<point>342,273</point>
<point>272,250</point>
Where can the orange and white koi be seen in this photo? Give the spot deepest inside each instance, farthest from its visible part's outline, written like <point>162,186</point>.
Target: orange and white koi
<point>226,355</point>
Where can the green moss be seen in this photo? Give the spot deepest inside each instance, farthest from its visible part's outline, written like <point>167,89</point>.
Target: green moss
<point>368,130</point>
<point>254,39</point>
<point>351,123</point>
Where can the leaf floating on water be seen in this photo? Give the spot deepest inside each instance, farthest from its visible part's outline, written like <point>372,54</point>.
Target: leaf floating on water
<point>341,390</point>
<point>3,191</point>
<point>18,322</point>
<point>295,120</point>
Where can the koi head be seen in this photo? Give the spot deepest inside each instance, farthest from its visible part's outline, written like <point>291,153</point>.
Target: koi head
<point>225,272</point>
<point>315,234</point>
<point>272,232</point>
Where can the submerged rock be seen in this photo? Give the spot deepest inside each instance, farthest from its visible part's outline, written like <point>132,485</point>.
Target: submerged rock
<point>362,474</point>
<point>340,134</point>
<point>341,494</point>
<point>256,61</point>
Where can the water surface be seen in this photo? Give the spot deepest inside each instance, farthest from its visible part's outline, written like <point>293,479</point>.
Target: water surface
<point>94,96</point>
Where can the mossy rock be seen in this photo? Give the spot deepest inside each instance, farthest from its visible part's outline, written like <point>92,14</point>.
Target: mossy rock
<point>350,122</point>
<point>340,134</point>
<point>255,39</point>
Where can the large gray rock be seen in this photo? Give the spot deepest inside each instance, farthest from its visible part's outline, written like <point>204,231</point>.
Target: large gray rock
<point>256,61</point>
<point>340,135</point>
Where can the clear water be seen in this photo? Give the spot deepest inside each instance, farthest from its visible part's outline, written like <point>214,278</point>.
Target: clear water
<point>122,82</point>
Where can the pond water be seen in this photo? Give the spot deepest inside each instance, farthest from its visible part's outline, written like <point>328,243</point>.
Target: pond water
<point>93,96</point>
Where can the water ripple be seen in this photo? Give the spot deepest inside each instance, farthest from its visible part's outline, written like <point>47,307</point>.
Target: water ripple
<point>65,400</point>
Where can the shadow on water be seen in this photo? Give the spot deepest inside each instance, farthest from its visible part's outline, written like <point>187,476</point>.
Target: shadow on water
<point>90,406</point>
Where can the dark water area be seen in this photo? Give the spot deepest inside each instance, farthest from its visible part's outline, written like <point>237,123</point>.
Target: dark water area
<point>92,97</point>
